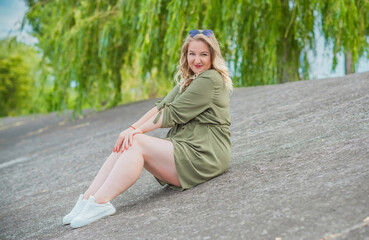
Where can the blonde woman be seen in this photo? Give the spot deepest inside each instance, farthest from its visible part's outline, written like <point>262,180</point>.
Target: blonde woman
<point>197,147</point>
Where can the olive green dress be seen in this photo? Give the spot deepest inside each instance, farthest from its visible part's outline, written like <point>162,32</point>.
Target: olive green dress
<point>199,120</point>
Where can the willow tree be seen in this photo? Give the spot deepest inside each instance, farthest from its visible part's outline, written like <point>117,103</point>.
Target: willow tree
<point>346,26</point>
<point>104,53</point>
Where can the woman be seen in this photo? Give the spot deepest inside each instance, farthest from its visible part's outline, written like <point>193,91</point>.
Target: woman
<point>197,147</point>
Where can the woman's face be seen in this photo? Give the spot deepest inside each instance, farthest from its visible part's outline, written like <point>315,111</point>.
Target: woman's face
<point>198,56</point>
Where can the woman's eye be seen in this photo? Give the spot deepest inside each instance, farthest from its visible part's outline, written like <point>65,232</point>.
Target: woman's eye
<point>204,54</point>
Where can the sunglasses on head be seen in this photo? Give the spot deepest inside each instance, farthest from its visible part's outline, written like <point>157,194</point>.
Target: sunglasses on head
<point>207,33</point>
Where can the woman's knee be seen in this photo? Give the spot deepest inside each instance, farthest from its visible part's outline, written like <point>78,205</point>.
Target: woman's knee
<point>137,145</point>
<point>139,140</point>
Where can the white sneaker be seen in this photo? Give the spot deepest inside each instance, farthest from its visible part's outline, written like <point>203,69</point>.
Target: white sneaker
<point>76,210</point>
<point>92,212</point>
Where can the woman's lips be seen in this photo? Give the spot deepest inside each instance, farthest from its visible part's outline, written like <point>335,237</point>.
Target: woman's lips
<point>198,66</point>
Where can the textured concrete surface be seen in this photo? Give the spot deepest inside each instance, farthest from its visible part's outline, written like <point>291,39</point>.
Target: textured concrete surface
<point>299,170</point>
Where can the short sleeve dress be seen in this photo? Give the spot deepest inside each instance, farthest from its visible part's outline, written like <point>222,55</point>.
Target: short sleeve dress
<point>199,119</point>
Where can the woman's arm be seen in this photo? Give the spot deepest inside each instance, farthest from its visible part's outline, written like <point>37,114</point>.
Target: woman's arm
<point>152,112</point>
<point>148,117</point>
<point>196,99</point>
<point>147,126</point>
<point>123,135</point>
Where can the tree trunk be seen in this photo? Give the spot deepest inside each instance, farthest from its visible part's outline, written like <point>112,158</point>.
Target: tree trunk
<point>349,66</point>
<point>117,90</point>
<point>288,61</point>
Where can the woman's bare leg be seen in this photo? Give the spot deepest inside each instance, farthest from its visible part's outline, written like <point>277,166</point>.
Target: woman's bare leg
<point>157,155</point>
<point>102,175</point>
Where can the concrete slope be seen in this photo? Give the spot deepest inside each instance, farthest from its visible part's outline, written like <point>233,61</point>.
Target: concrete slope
<point>299,170</point>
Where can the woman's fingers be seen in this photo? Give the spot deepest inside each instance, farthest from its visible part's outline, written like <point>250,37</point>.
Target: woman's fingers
<point>122,141</point>
<point>124,144</point>
<point>123,137</point>
<point>128,140</point>
<point>118,143</point>
<point>116,149</point>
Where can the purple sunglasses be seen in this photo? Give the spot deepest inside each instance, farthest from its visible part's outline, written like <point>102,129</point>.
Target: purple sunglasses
<point>207,33</point>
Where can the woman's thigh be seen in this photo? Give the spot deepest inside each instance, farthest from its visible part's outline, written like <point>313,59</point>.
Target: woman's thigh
<point>158,157</point>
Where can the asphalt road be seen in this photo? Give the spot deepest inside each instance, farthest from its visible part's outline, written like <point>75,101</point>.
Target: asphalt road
<point>299,170</point>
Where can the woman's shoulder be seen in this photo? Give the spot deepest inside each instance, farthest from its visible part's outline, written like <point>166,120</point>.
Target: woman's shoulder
<point>213,74</point>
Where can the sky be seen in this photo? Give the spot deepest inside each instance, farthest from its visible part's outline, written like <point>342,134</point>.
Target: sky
<point>12,12</point>
<point>11,15</point>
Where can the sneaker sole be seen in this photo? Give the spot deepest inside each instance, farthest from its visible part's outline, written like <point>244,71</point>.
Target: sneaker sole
<point>66,222</point>
<point>95,218</point>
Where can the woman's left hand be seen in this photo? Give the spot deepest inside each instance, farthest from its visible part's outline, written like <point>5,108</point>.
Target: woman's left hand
<point>128,141</point>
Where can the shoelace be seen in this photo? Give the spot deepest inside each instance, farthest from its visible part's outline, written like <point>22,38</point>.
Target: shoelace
<point>85,208</point>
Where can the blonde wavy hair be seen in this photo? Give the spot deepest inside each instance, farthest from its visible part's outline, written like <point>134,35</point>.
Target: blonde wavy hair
<point>185,75</point>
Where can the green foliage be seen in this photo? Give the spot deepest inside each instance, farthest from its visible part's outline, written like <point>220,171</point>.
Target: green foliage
<point>17,78</point>
<point>346,25</point>
<point>104,53</point>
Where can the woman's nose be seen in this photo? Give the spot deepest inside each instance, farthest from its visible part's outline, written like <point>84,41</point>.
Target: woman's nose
<point>197,59</point>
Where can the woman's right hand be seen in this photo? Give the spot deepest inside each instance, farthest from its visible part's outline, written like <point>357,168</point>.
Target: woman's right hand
<point>121,137</point>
